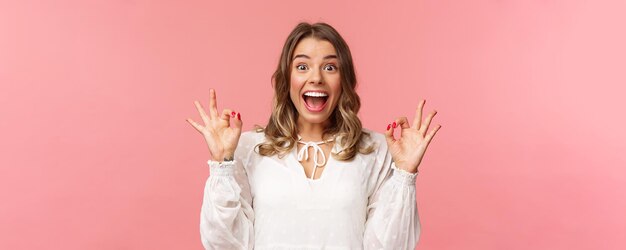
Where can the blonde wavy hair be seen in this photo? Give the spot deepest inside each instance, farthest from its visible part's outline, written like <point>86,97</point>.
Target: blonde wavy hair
<point>281,131</point>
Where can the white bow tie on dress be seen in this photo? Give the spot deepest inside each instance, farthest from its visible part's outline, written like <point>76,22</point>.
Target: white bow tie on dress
<point>304,153</point>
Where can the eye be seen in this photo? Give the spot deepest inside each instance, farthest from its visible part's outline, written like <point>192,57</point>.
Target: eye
<point>301,67</point>
<point>330,67</point>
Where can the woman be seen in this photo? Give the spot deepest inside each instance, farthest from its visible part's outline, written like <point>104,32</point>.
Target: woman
<point>313,178</point>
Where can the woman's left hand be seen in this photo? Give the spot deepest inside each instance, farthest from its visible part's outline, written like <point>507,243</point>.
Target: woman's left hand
<point>407,151</point>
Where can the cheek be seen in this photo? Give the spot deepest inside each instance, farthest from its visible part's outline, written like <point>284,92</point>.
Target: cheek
<point>335,86</point>
<point>337,96</point>
<point>294,88</point>
<point>297,80</point>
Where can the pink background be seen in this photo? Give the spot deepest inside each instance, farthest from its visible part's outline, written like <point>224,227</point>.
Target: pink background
<point>96,153</point>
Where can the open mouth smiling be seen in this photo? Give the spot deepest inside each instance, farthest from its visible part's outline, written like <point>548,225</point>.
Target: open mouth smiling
<point>315,101</point>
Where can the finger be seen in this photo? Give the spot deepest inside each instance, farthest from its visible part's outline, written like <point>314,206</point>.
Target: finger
<point>402,122</point>
<point>431,134</point>
<point>237,122</point>
<point>389,134</point>
<point>226,115</point>
<point>212,103</point>
<point>195,125</point>
<point>424,127</point>
<point>418,115</point>
<point>203,115</point>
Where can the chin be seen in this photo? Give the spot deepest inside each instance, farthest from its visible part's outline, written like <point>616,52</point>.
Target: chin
<point>314,118</point>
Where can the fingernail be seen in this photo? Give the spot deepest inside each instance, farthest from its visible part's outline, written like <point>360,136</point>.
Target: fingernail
<point>388,126</point>
<point>238,116</point>
<point>232,114</point>
<point>394,124</point>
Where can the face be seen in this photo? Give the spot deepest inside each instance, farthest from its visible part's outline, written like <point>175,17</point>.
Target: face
<point>315,84</point>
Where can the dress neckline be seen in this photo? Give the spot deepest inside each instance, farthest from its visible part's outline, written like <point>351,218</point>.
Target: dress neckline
<point>297,156</point>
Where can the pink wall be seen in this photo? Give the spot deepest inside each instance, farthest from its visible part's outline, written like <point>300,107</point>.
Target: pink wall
<point>96,153</point>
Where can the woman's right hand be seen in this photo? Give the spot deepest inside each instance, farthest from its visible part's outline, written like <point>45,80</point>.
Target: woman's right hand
<point>221,138</point>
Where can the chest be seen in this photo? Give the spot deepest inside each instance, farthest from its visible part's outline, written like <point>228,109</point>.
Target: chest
<point>282,184</point>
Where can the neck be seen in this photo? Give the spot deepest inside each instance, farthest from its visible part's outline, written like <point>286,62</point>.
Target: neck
<point>311,131</point>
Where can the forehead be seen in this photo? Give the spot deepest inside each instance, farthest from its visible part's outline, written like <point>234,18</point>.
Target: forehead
<point>314,47</point>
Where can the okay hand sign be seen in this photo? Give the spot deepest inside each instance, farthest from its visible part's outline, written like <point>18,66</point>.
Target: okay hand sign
<point>221,138</point>
<point>407,151</point>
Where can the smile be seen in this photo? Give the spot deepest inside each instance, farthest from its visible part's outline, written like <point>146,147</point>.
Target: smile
<point>315,101</point>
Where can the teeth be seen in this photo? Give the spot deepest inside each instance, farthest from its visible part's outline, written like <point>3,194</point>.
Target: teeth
<point>316,94</point>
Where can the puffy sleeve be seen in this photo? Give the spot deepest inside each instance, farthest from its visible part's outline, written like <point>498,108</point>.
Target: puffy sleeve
<point>227,217</point>
<point>392,217</point>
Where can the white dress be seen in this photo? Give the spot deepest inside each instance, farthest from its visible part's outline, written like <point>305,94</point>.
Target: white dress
<point>260,202</point>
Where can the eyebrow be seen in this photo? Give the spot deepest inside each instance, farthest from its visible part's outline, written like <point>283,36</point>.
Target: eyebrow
<point>307,57</point>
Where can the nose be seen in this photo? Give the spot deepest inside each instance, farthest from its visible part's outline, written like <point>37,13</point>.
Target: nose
<point>315,77</point>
